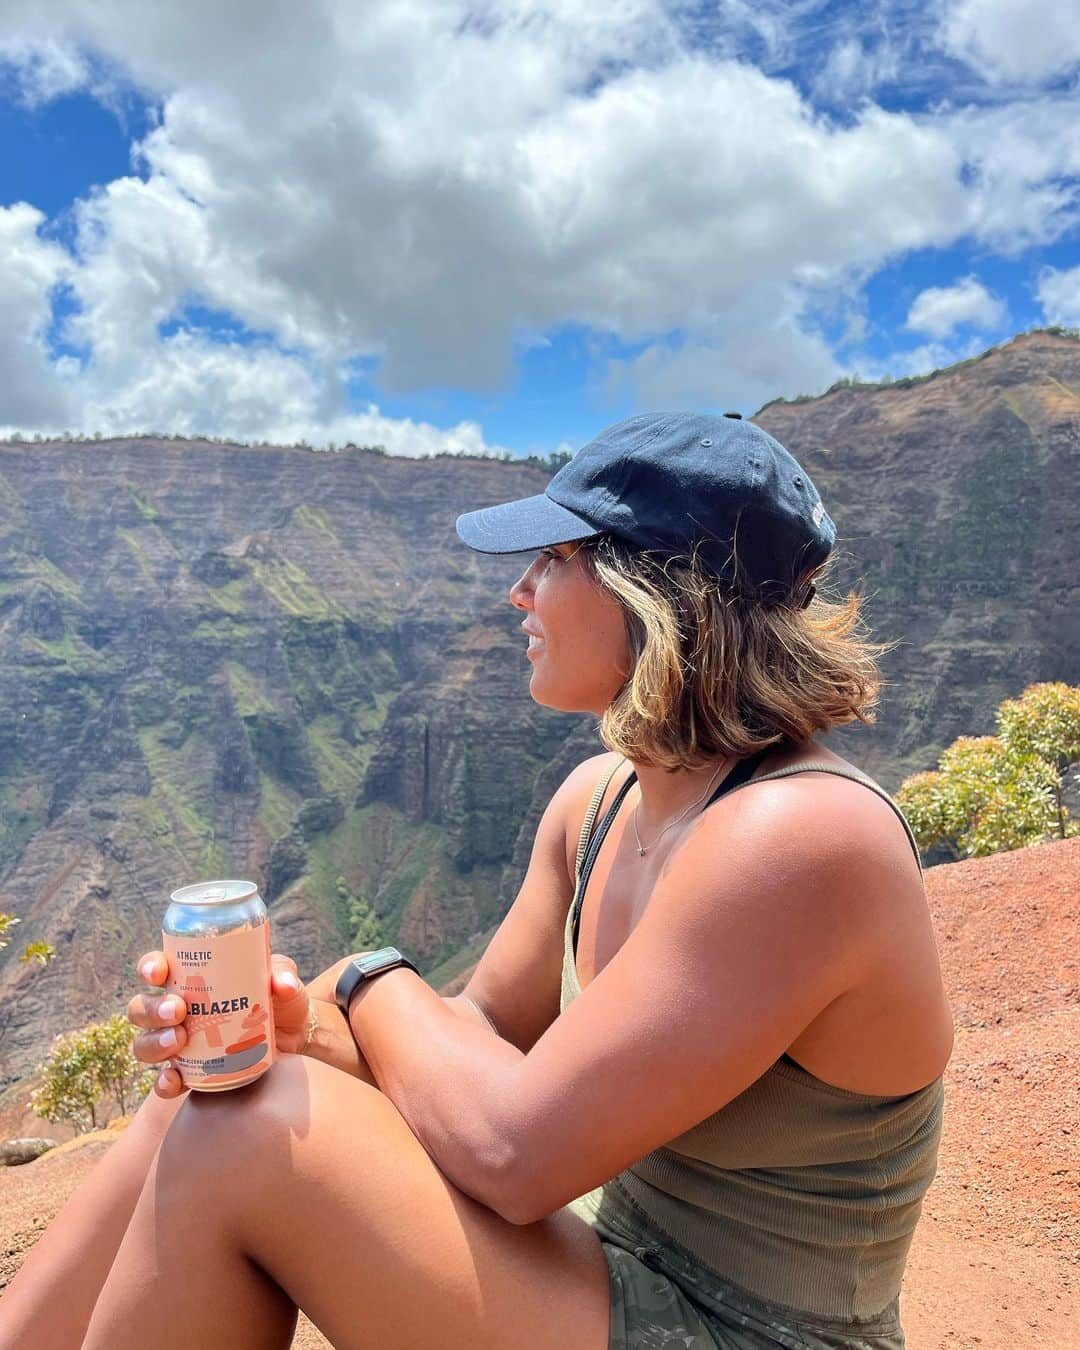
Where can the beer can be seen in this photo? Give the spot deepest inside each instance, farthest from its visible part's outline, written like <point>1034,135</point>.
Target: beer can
<point>216,936</point>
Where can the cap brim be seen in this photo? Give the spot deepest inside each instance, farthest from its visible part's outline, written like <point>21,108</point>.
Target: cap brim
<point>519,527</point>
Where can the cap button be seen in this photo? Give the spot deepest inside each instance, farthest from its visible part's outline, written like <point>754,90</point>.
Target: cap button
<point>737,416</point>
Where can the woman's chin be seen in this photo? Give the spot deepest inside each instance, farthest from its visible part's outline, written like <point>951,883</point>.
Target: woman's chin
<point>556,702</point>
<point>537,690</point>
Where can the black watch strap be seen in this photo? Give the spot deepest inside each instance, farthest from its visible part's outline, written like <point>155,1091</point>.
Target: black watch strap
<point>365,967</point>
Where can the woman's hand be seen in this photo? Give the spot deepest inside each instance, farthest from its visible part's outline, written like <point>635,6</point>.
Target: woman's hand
<point>161,1015</point>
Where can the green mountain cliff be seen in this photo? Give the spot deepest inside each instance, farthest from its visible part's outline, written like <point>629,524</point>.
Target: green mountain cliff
<point>281,664</point>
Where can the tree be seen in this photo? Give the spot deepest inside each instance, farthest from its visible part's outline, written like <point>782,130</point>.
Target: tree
<point>364,930</point>
<point>991,794</point>
<point>87,1067</point>
<point>1045,722</point>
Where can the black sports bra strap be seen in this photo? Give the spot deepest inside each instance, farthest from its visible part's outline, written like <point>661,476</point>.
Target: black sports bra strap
<point>593,849</point>
<point>738,775</point>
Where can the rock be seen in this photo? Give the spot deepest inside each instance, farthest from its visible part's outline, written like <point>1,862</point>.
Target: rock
<point>288,858</point>
<point>318,816</point>
<point>13,1152</point>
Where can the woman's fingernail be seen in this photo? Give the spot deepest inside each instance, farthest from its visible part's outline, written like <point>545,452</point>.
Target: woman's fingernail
<point>146,970</point>
<point>168,1037</point>
<point>163,1079</point>
<point>288,982</point>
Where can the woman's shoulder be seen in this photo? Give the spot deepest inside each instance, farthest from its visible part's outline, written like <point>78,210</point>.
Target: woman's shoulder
<point>577,792</point>
<point>830,787</point>
<point>817,790</point>
<point>803,764</point>
<point>901,991</point>
<point>587,776</point>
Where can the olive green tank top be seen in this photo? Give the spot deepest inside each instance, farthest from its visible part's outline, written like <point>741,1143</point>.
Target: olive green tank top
<point>797,1191</point>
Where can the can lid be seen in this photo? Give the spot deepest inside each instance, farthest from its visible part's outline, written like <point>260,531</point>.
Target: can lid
<point>214,893</point>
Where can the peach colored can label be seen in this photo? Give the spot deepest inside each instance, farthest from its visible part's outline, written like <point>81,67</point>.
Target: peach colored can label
<point>225,981</point>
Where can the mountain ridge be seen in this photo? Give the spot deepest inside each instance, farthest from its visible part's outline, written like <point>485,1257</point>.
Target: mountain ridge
<point>282,663</point>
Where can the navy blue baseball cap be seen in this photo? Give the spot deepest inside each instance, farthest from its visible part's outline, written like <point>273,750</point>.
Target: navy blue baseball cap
<point>667,482</point>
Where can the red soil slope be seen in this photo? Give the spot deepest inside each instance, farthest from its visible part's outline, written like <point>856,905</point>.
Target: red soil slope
<point>995,1262</point>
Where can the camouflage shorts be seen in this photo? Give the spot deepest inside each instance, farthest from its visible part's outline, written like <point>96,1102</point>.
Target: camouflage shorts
<point>647,1310</point>
<point>659,1300</point>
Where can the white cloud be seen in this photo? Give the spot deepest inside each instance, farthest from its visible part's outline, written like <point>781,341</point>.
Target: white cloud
<point>1059,295</point>
<point>183,384</point>
<point>1024,169</point>
<point>921,360</point>
<point>29,269</point>
<point>190,386</point>
<point>1019,40</point>
<point>740,369</point>
<point>940,309</point>
<point>43,69</point>
<point>854,69</point>
<point>421,184</point>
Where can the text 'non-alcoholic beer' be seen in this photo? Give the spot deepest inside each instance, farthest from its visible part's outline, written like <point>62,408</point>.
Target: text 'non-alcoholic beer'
<point>216,936</point>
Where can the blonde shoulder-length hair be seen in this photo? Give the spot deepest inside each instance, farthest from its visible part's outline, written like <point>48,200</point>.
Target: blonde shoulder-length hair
<point>718,669</point>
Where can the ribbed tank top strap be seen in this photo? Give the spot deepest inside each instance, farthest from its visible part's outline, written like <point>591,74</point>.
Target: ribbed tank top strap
<point>590,816</point>
<point>857,776</point>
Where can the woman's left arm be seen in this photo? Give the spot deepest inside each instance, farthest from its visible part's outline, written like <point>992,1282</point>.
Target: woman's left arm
<point>744,941</point>
<point>443,1072</point>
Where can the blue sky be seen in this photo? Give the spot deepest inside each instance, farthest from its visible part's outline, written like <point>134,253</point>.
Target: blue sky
<point>499,226</point>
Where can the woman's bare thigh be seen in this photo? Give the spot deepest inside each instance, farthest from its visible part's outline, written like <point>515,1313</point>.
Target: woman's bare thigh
<point>334,1197</point>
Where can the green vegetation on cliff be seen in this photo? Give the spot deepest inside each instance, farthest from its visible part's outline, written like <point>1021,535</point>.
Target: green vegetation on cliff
<point>282,664</point>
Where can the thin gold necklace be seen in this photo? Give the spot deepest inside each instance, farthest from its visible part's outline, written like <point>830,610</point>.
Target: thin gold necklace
<point>643,849</point>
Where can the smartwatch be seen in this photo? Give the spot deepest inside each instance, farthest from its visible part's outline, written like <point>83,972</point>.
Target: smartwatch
<point>366,967</point>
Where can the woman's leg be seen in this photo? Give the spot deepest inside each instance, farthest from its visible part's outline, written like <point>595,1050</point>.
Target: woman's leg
<point>48,1304</point>
<point>309,1189</point>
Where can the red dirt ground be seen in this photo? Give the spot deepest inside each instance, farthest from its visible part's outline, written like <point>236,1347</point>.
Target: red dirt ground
<point>995,1262</point>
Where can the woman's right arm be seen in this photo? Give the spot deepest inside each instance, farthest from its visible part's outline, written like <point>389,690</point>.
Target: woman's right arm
<point>514,990</point>
<point>331,1040</point>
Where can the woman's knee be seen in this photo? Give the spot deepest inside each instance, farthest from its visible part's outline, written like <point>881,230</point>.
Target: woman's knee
<point>214,1140</point>
<point>238,1124</point>
<point>233,1152</point>
<point>156,1114</point>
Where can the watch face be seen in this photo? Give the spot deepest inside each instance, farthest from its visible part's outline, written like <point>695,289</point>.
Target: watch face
<point>373,961</point>
<point>361,968</point>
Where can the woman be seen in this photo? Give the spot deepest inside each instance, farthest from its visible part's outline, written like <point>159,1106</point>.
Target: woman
<point>696,1106</point>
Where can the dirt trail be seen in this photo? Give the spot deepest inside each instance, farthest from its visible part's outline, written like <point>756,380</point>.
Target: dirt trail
<point>995,1263</point>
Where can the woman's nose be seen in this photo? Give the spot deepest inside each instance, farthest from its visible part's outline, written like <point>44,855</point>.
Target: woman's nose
<point>521,593</point>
